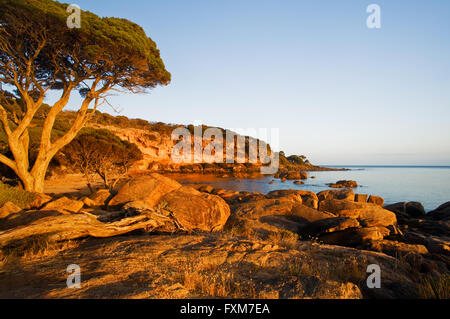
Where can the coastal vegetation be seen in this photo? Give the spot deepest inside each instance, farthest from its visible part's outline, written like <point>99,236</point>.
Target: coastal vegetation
<point>137,231</point>
<point>106,54</point>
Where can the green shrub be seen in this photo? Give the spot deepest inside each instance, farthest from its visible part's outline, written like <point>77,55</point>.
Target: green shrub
<point>15,195</point>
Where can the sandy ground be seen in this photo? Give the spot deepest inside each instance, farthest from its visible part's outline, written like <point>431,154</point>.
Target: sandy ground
<point>70,184</point>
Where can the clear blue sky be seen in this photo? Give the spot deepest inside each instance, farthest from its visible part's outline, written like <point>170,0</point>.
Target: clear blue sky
<point>339,92</point>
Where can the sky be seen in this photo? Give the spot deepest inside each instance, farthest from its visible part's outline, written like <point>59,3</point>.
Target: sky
<point>339,92</point>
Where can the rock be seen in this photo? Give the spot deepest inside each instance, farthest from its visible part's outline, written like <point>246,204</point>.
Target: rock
<point>395,248</point>
<point>406,210</point>
<point>8,209</point>
<point>148,189</point>
<point>376,200</point>
<point>287,194</point>
<point>308,214</point>
<point>218,191</point>
<point>354,236</point>
<point>299,183</point>
<point>100,197</point>
<point>367,214</point>
<point>292,175</point>
<point>64,205</point>
<point>39,201</point>
<point>308,198</point>
<point>206,189</point>
<point>398,209</point>
<point>229,194</point>
<point>329,225</point>
<point>136,206</point>
<point>344,184</point>
<point>414,209</point>
<point>260,207</point>
<point>347,194</point>
<point>89,202</point>
<point>440,213</point>
<point>431,227</point>
<point>269,216</point>
<point>438,246</point>
<point>361,198</point>
<point>194,210</point>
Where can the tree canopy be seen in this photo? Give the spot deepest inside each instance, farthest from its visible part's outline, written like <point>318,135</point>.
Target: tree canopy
<point>39,52</point>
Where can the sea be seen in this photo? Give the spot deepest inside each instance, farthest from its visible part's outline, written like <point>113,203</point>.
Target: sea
<point>429,185</point>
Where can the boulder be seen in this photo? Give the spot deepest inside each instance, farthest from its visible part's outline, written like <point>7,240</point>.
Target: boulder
<point>440,213</point>
<point>148,189</point>
<point>438,246</point>
<point>395,248</point>
<point>414,209</point>
<point>260,207</point>
<point>269,216</point>
<point>39,201</point>
<point>206,189</point>
<point>329,225</point>
<point>287,194</point>
<point>308,214</point>
<point>194,210</point>
<point>100,197</point>
<point>299,183</point>
<point>406,210</point>
<point>347,194</point>
<point>432,227</point>
<point>218,191</point>
<point>292,175</point>
<point>89,202</point>
<point>344,184</point>
<point>354,236</point>
<point>368,215</point>
<point>308,198</point>
<point>8,209</point>
<point>376,200</point>
<point>64,205</point>
<point>361,198</point>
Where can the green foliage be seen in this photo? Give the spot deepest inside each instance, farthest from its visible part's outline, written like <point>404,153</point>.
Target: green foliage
<point>15,195</point>
<point>293,162</point>
<point>106,46</point>
<point>296,159</point>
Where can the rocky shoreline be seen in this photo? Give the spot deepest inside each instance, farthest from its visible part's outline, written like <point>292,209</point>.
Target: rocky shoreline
<point>332,226</point>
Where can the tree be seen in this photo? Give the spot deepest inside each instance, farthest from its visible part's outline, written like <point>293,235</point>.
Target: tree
<point>39,53</point>
<point>101,152</point>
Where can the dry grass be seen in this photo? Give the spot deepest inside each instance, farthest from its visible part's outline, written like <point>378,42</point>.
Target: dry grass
<point>349,269</point>
<point>284,238</point>
<point>218,281</point>
<point>435,287</point>
<point>34,247</point>
<point>240,230</point>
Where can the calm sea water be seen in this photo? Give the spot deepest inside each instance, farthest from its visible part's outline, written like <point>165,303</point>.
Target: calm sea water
<point>429,185</point>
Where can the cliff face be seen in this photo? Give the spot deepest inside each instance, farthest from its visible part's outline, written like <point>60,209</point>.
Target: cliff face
<point>156,147</point>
